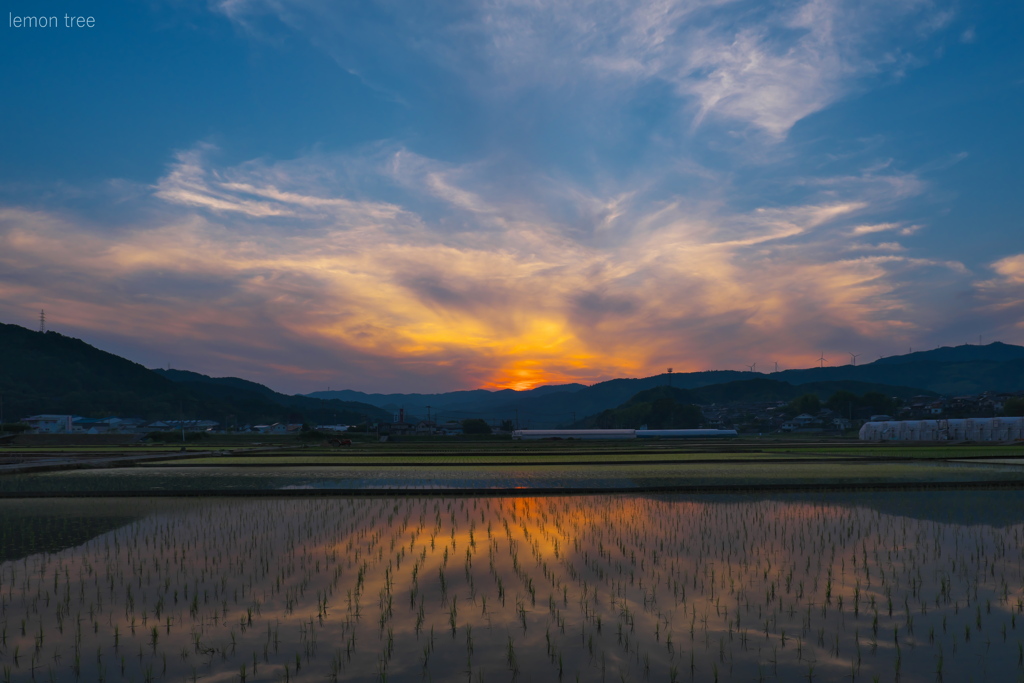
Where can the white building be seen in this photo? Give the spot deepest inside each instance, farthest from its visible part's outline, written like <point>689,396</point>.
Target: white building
<point>586,434</point>
<point>970,429</point>
<point>606,434</point>
<point>50,424</point>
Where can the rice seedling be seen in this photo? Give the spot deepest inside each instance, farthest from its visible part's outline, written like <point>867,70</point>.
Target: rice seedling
<point>784,589</point>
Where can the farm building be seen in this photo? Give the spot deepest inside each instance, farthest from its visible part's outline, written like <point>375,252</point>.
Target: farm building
<point>683,433</point>
<point>971,429</point>
<point>587,434</point>
<point>605,434</point>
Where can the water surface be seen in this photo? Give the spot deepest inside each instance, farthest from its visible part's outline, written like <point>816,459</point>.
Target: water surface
<point>615,477</point>
<point>596,587</point>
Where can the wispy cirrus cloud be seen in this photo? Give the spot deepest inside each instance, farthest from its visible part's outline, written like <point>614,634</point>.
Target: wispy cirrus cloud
<point>762,65</point>
<point>1010,268</point>
<point>901,228</point>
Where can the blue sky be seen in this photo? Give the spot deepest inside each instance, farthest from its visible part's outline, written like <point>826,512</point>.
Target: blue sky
<point>404,197</point>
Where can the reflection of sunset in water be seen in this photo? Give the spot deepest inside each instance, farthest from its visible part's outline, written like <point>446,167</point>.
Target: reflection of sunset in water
<point>599,588</point>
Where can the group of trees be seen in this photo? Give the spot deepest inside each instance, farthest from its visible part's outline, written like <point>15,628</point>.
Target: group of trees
<point>1014,407</point>
<point>845,403</point>
<point>658,408</point>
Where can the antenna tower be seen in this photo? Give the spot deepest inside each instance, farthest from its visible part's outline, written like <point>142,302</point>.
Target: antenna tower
<point>42,320</point>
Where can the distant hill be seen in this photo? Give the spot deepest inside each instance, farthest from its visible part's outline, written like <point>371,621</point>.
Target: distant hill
<point>659,408</point>
<point>765,390</point>
<point>52,373</point>
<point>968,369</point>
<point>663,407</point>
<point>994,352</point>
<point>545,406</point>
<point>245,392</point>
<point>562,408</point>
<point>49,372</point>
<point>185,376</point>
<point>457,401</point>
<point>943,377</point>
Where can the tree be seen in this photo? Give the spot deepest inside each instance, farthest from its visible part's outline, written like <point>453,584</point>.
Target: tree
<point>475,426</point>
<point>14,427</point>
<point>657,408</point>
<point>808,403</point>
<point>667,413</point>
<point>879,403</point>
<point>1014,407</point>
<point>843,402</point>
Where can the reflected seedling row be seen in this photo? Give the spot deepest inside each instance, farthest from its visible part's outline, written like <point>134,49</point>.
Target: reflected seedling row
<point>610,588</point>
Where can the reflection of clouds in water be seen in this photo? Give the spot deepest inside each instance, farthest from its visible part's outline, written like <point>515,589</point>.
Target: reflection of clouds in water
<point>623,585</point>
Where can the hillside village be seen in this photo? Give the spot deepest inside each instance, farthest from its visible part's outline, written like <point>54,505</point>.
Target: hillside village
<point>776,416</point>
<point>764,417</point>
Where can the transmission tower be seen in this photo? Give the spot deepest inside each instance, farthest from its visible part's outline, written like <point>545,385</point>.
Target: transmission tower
<point>42,320</point>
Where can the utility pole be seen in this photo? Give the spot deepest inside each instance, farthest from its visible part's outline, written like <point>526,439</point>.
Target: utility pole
<point>517,418</point>
<point>430,430</point>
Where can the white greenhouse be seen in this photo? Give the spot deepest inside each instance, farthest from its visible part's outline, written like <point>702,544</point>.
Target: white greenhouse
<point>970,429</point>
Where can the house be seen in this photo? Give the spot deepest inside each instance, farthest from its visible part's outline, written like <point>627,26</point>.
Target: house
<point>91,425</point>
<point>803,421</point>
<point>332,429</point>
<point>451,428</point>
<point>401,428</point>
<point>50,424</point>
<point>179,425</point>
<point>842,423</point>
<point>276,428</point>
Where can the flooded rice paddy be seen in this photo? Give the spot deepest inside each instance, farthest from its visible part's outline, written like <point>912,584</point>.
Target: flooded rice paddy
<point>908,586</point>
<point>157,479</point>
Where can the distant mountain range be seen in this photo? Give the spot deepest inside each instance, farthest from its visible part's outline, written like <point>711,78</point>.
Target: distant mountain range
<point>51,373</point>
<point>967,369</point>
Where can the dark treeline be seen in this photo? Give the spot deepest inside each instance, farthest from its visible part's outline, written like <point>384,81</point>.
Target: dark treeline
<point>51,373</point>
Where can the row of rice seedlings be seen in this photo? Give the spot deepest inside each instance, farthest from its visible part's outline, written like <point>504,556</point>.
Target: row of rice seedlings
<point>616,587</point>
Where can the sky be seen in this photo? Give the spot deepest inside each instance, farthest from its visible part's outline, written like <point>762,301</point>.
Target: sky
<point>401,196</point>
